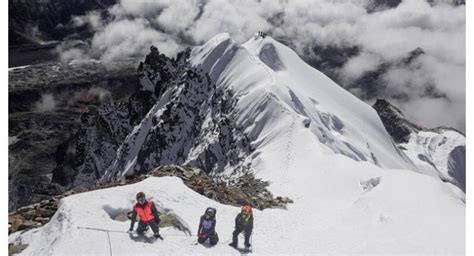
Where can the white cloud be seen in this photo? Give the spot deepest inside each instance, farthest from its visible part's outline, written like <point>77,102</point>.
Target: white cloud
<point>357,66</point>
<point>384,36</point>
<point>92,19</point>
<point>46,103</point>
<point>139,8</point>
<point>238,18</point>
<point>130,38</point>
<point>178,16</point>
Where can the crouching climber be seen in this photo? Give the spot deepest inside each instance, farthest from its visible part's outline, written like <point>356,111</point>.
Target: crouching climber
<point>243,223</point>
<point>207,226</point>
<point>148,214</point>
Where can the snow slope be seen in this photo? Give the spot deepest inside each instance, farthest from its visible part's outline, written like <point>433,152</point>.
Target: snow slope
<point>354,192</point>
<point>432,151</point>
<point>339,219</point>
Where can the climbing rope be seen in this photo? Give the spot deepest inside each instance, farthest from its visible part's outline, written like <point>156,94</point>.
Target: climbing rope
<point>110,243</point>
<point>120,231</point>
<point>103,230</point>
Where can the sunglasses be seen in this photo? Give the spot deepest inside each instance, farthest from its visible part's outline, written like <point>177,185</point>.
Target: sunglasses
<point>141,200</point>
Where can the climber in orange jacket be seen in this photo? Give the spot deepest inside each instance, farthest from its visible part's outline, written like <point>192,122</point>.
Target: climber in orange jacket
<point>149,216</point>
<point>243,223</point>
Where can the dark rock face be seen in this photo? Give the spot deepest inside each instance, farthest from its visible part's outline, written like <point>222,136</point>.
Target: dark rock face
<point>190,123</point>
<point>32,20</point>
<point>394,121</point>
<point>46,102</point>
<point>179,117</point>
<point>102,130</point>
<point>100,133</point>
<point>457,166</point>
<point>32,155</point>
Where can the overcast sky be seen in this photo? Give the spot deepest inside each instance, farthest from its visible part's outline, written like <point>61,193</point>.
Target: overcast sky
<point>434,83</point>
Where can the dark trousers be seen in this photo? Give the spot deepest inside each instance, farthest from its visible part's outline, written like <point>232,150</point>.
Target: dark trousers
<point>212,236</point>
<point>154,225</point>
<point>247,233</point>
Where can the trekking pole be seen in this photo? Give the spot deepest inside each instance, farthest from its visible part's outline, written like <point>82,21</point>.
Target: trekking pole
<point>110,243</point>
<point>251,235</point>
<point>108,235</point>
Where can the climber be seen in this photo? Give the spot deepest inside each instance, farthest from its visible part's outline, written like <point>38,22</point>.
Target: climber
<point>148,214</point>
<point>243,222</point>
<point>207,225</point>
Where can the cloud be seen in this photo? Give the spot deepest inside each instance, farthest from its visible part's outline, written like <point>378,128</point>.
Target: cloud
<point>92,19</point>
<point>385,32</point>
<point>130,39</point>
<point>46,103</point>
<point>355,67</point>
<point>240,21</point>
<point>168,20</point>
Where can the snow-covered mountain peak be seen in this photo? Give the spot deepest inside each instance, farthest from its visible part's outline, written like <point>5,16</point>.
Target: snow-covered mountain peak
<point>257,108</point>
<point>270,80</point>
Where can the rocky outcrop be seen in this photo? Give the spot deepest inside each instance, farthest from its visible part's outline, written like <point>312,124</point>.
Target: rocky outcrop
<point>190,124</point>
<point>398,126</point>
<point>103,129</point>
<point>92,148</point>
<point>457,166</point>
<point>246,189</point>
<point>394,121</point>
<point>177,116</point>
<point>438,152</point>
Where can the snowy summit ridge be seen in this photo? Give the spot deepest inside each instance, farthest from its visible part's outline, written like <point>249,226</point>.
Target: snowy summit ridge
<point>257,107</point>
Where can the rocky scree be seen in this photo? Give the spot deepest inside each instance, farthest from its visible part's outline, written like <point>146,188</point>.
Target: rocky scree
<point>246,189</point>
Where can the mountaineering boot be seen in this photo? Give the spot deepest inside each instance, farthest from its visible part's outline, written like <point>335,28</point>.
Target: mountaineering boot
<point>233,245</point>
<point>158,236</point>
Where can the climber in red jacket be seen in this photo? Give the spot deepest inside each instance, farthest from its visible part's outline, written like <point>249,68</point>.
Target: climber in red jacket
<point>149,216</point>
